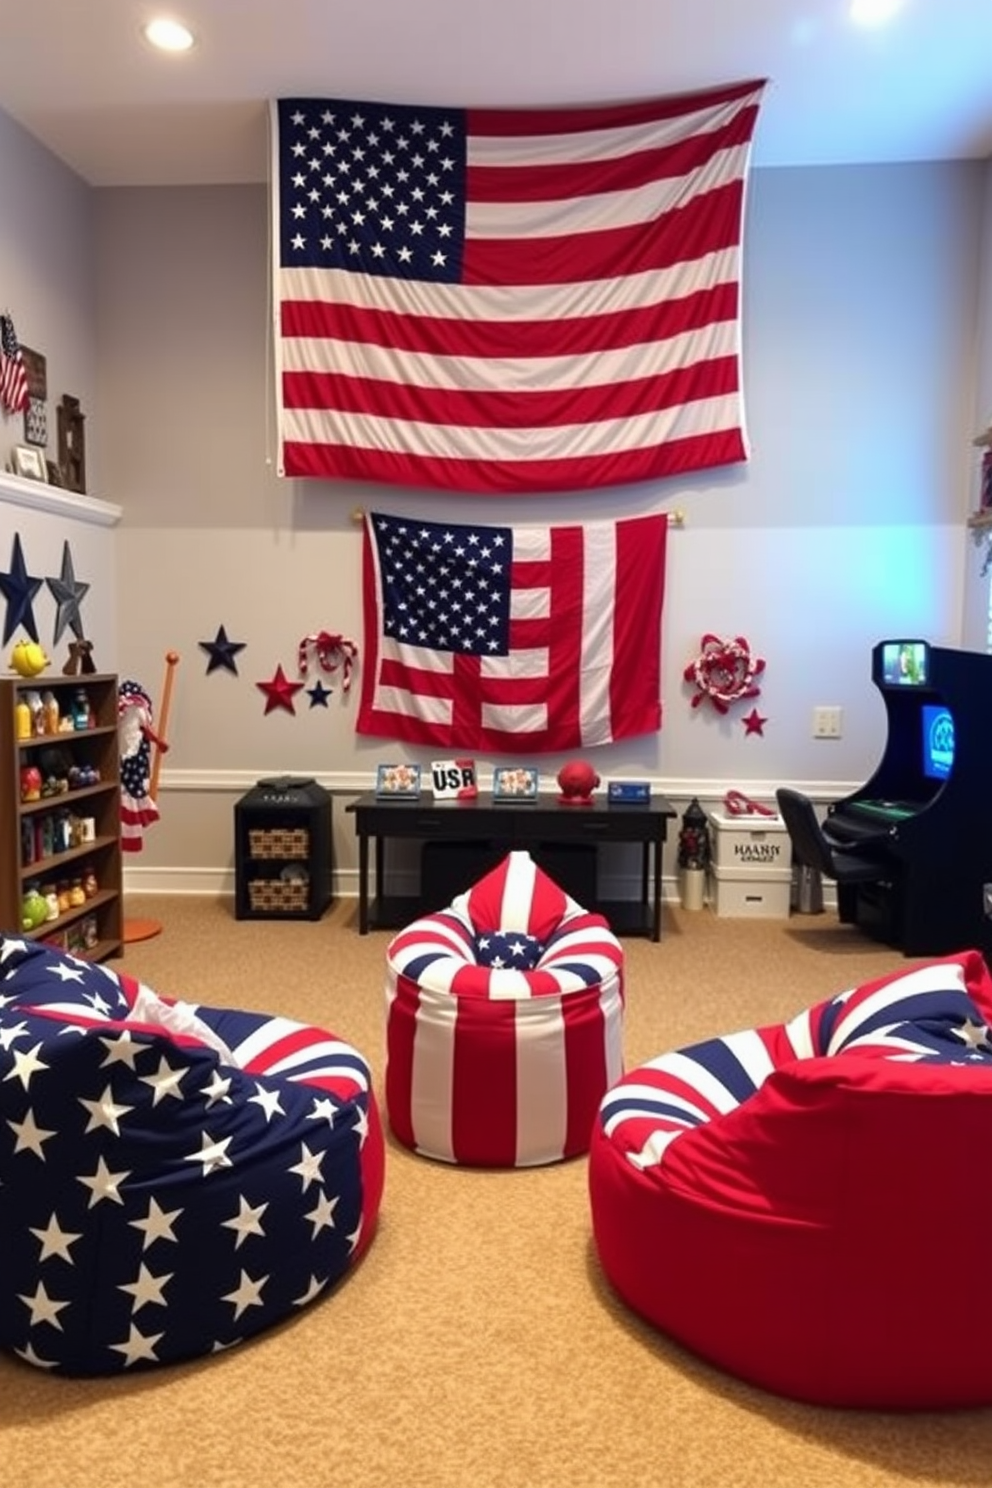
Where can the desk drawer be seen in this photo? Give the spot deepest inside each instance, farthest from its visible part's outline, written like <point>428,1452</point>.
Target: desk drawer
<point>580,824</point>
<point>442,823</point>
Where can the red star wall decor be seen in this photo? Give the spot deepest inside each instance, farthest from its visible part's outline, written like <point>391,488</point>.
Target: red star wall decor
<point>279,693</point>
<point>754,723</point>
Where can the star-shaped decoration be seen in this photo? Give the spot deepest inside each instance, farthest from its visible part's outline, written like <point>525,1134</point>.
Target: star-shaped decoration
<point>247,1294</point>
<point>279,693</point>
<point>137,1346</point>
<point>30,1136</point>
<point>104,1112</point>
<point>165,1082</point>
<point>68,596</point>
<point>247,1221</point>
<point>754,723</point>
<point>309,1167</point>
<point>974,1034</point>
<point>103,1184</point>
<point>318,695</point>
<point>67,973</point>
<point>42,1307</point>
<point>26,1064</point>
<point>313,1290</point>
<point>322,1217</point>
<point>324,1109</point>
<point>221,652</point>
<point>268,1100</point>
<point>28,1354</point>
<point>147,1288</point>
<point>157,1224</point>
<point>217,1089</point>
<point>19,590</point>
<point>212,1155</point>
<point>55,1241</point>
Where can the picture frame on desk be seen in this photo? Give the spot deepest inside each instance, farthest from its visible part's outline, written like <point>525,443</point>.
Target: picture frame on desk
<point>515,783</point>
<point>397,782</point>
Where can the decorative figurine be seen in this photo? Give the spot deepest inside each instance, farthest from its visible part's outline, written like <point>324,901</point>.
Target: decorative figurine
<point>80,659</point>
<point>694,838</point>
<point>577,780</point>
<point>28,659</point>
<point>693,855</point>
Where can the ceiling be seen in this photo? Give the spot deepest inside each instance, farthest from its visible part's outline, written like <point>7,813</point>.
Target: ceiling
<point>119,113</point>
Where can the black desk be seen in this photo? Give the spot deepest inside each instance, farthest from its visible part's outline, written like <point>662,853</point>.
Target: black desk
<point>506,826</point>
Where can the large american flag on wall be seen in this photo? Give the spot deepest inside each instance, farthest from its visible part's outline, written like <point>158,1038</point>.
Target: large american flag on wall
<point>512,640</point>
<point>509,301</point>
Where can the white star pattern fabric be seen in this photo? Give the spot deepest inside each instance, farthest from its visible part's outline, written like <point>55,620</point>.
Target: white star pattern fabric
<point>174,1178</point>
<point>504,1023</point>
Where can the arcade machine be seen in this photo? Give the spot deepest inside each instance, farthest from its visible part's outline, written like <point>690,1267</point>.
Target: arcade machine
<point>926,812</point>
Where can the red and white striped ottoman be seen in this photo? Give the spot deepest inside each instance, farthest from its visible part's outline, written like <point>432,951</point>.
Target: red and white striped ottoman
<point>808,1205</point>
<point>504,1023</point>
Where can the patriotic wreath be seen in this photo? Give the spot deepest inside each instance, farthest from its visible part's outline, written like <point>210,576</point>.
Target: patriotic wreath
<point>331,651</point>
<point>724,672</point>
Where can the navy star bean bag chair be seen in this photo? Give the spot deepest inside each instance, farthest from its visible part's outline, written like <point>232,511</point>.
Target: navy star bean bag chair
<point>809,1206</point>
<point>173,1179</point>
<point>504,1023</point>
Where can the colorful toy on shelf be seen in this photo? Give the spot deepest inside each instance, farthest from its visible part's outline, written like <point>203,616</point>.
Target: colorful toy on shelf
<point>577,780</point>
<point>30,783</point>
<point>34,910</point>
<point>28,659</point>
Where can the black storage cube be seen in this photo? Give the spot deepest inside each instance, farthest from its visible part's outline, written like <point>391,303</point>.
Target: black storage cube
<point>283,850</point>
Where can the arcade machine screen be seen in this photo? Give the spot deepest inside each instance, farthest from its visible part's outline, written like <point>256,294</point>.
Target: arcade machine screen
<point>905,664</point>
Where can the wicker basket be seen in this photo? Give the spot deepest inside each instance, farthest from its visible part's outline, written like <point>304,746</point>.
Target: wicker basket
<point>283,842</point>
<point>276,894</point>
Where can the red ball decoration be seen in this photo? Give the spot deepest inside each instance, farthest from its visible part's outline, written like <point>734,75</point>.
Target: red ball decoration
<point>577,780</point>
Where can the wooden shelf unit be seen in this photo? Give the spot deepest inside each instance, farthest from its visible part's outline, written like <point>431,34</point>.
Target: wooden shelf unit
<point>96,747</point>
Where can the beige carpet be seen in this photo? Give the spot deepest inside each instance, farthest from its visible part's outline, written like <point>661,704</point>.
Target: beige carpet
<point>477,1343</point>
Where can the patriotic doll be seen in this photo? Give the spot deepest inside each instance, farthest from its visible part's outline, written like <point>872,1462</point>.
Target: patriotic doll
<point>136,736</point>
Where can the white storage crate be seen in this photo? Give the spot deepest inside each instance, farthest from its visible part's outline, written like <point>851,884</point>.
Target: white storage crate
<point>751,893</point>
<point>749,842</point>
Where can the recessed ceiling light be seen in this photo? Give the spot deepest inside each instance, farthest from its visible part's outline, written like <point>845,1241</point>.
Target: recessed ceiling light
<point>874,12</point>
<point>169,36</point>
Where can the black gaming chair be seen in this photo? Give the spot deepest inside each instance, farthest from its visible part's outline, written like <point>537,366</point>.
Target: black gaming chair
<point>844,862</point>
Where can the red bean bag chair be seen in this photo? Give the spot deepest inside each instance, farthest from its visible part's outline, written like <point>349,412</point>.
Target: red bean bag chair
<point>809,1206</point>
<point>174,1178</point>
<point>503,1023</point>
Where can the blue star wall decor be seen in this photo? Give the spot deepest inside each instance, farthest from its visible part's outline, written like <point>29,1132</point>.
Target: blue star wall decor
<point>68,597</point>
<point>318,695</point>
<point>222,652</point>
<point>19,590</point>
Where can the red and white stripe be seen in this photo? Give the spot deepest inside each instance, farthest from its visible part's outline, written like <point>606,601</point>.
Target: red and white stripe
<point>594,336</point>
<point>492,1066</point>
<point>584,661</point>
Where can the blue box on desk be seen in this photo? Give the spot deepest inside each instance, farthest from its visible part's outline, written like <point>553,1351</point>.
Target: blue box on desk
<point>628,792</point>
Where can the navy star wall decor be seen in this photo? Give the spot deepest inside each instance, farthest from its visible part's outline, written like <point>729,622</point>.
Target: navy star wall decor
<point>19,590</point>
<point>222,652</point>
<point>68,596</point>
<point>318,695</point>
